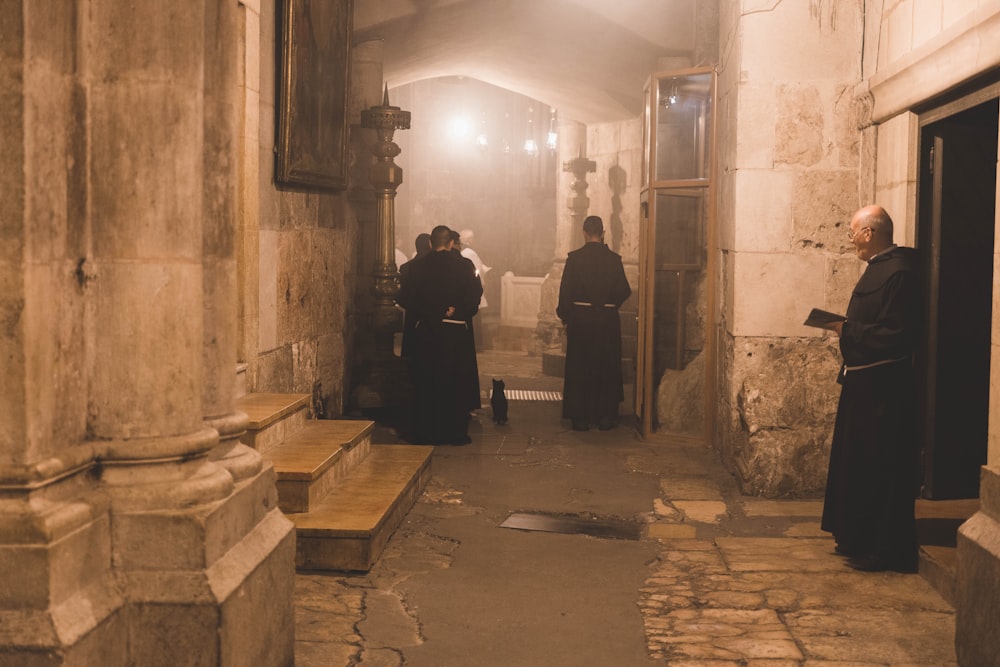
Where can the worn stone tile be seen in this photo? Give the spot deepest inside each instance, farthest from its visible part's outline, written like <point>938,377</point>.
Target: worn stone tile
<point>323,654</point>
<point>689,545</point>
<point>744,554</point>
<point>669,531</point>
<point>666,511</point>
<point>891,637</point>
<point>702,511</point>
<point>807,529</point>
<point>706,663</point>
<point>327,594</point>
<point>754,507</point>
<point>690,488</point>
<point>726,634</point>
<point>761,648</point>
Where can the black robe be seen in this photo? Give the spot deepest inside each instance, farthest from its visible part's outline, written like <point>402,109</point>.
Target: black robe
<point>873,477</point>
<point>439,353</point>
<point>592,289</point>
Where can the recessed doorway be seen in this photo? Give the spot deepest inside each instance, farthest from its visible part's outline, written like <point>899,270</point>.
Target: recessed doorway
<point>955,233</point>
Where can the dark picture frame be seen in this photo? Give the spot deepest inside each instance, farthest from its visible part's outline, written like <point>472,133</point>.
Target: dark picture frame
<point>313,93</point>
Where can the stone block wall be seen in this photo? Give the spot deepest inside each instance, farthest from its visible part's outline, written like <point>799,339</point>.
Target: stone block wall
<point>789,182</point>
<point>917,50</point>
<point>300,251</point>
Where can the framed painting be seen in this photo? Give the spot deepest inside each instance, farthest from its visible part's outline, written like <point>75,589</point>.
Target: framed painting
<point>314,80</point>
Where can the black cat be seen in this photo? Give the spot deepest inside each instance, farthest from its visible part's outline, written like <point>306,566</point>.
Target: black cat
<point>498,401</point>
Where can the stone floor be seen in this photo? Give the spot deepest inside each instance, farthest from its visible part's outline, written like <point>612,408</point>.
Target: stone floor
<point>717,579</point>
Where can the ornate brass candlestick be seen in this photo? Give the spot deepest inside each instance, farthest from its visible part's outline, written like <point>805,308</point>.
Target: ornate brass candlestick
<point>386,176</point>
<point>385,379</point>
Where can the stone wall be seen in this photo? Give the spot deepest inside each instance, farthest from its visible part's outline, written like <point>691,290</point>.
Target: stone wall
<point>789,149</point>
<point>916,51</point>
<point>300,251</point>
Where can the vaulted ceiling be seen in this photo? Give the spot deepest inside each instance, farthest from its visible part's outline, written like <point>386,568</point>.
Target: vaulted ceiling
<point>588,58</point>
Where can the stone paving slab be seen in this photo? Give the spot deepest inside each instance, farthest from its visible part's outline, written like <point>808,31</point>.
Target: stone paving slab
<point>326,611</point>
<point>881,637</point>
<point>757,507</point>
<point>806,529</point>
<point>776,553</point>
<point>772,602</point>
<point>690,488</point>
<point>702,511</point>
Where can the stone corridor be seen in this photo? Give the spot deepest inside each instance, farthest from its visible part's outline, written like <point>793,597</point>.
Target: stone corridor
<point>717,580</point>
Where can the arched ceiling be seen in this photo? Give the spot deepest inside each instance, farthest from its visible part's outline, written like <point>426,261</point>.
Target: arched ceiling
<point>587,58</point>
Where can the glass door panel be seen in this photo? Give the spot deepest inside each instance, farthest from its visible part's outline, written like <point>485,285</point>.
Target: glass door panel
<point>676,233</point>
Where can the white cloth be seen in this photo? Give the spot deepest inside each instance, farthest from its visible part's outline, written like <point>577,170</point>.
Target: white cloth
<point>481,270</point>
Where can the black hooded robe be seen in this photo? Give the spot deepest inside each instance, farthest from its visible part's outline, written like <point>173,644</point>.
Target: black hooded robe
<point>873,476</point>
<point>592,289</point>
<point>440,364</point>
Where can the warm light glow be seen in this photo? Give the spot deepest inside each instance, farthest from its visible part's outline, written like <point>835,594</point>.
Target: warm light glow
<point>460,127</point>
<point>483,142</point>
<point>672,97</point>
<point>530,145</point>
<point>552,138</point>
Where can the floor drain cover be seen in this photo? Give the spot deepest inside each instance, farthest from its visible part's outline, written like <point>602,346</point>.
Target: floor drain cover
<point>530,395</point>
<point>615,529</point>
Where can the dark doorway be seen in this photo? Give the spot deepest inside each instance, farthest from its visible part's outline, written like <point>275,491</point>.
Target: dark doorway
<point>955,235</point>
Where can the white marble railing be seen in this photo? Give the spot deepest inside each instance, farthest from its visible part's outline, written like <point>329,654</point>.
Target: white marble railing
<point>520,297</point>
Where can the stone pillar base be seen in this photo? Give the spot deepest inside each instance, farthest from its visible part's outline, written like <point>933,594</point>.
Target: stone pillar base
<point>89,578</point>
<point>977,579</point>
<point>59,601</point>
<point>197,598</point>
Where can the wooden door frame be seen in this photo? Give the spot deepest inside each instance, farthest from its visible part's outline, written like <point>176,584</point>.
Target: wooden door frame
<point>644,399</point>
<point>929,345</point>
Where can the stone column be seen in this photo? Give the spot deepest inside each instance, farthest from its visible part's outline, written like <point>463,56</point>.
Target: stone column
<point>59,600</point>
<point>383,384</point>
<point>222,133</point>
<point>206,561</point>
<point>549,335</point>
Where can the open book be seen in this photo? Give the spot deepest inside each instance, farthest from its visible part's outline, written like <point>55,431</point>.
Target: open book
<point>821,318</point>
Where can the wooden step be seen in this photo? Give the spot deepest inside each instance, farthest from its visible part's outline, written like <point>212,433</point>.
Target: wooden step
<point>349,528</point>
<point>311,462</point>
<point>273,418</point>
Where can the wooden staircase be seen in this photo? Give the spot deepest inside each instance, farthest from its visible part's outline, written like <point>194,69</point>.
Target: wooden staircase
<point>345,495</point>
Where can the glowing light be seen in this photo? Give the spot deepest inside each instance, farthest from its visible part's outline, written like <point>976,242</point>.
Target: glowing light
<point>531,147</point>
<point>552,138</point>
<point>460,127</point>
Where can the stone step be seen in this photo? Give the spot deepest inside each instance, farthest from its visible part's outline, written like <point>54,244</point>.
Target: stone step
<point>937,566</point>
<point>350,527</point>
<point>316,458</point>
<point>937,529</point>
<point>273,418</point>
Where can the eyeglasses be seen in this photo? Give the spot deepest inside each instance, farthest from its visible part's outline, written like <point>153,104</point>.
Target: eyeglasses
<point>851,234</point>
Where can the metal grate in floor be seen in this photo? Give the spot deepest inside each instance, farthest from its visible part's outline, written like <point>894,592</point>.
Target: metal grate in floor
<point>608,528</point>
<point>530,395</point>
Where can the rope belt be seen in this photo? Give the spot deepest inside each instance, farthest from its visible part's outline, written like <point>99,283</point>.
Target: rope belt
<point>851,369</point>
<point>594,305</point>
<point>444,321</point>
